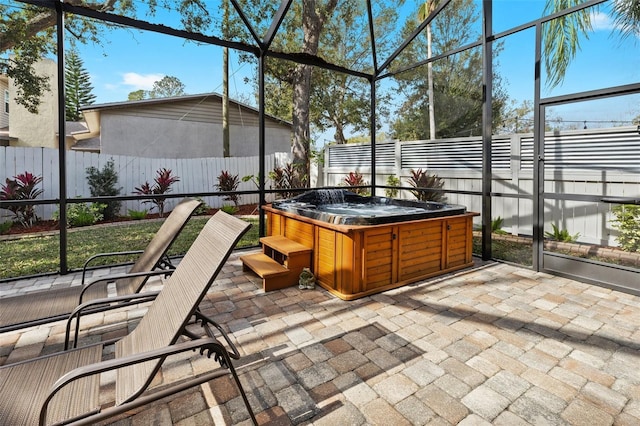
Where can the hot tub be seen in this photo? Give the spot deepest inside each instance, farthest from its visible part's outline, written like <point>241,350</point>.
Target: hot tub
<point>365,245</point>
<point>345,207</point>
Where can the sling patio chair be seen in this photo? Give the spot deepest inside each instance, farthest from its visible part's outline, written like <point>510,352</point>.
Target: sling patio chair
<point>65,387</point>
<point>41,307</point>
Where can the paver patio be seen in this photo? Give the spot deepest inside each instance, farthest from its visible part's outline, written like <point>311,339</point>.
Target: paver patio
<point>495,344</point>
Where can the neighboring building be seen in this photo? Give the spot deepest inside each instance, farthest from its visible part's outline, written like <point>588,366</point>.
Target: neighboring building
<point>179,127</point>
<point>34,130</point>
<point>4,113</point>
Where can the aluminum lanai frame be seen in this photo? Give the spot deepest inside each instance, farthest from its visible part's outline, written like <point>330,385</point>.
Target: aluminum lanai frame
<point>261,50</point>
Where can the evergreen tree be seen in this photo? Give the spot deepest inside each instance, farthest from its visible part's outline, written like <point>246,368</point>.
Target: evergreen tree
<point>457,79</point>
<point>77,86</point>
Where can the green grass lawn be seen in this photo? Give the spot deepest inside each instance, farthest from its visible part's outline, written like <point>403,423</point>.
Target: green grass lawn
<point>40,254</point>
<point>511,251</point>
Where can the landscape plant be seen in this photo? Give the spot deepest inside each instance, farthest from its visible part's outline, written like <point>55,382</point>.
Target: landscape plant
<point>354,180</point>
<point>228,183</point>
<point>162,185</point>
<point>496,226</point>
<point>103,182</point>
<point>5,226</point>
<point>627,222</point>
<point>202,209</point>
<point>82,214</point>
<point>392,181</point>
<point>229,209</point>
<point>561,235</point>
<point>286,178</point>
<point>423,182</point>
<point>21,188</point>
<point>137,214</point>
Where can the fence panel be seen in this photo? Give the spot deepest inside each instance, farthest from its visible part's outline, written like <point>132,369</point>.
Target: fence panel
<point>600,162</point>
<point>196,175</point>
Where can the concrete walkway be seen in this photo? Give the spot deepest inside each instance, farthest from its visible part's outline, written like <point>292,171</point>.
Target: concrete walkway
<point>492,345</point>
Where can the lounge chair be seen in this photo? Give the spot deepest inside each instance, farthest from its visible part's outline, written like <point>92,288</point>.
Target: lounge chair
<point>65,387</point>
<point>46,306</point>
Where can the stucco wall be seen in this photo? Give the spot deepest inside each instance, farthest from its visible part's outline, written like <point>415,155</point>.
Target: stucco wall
<point>36,129</point>
<point>160,138</point>
<point>4,117</point>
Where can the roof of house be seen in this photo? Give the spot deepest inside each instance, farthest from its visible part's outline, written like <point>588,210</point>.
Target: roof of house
<point>173,99</point>
<point>91,144</point>
<point>75,126</point>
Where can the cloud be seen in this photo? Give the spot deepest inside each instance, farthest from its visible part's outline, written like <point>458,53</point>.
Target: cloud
<point>140,81</point>
<point>602,21</point>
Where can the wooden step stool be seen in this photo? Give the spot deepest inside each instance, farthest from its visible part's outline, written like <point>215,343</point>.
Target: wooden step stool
<point>280,263</point>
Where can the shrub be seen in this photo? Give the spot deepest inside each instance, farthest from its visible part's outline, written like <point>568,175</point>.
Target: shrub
<point>354,179</point>
<point>227,208</point>
<point>252,178</point>
<point>82,214</point>
<point>496,226</point>
<point>137,214</point>
<point>392,181</point>
<point>285,178</point>
<point>422,181</point>
<point>22,187</point>
<point>4,227</point>
<point>627,222</point>
<point>162,185</point>
<point>561,235</point>
<point>202,209</point>
<point>228,183</point>
<point>104,183</point>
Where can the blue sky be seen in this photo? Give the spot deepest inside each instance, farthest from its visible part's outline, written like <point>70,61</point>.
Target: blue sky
<point>131,61</point>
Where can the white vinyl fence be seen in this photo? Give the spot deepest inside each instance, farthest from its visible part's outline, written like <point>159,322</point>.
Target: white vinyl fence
<point>601,163</point>
<point>195,174</point>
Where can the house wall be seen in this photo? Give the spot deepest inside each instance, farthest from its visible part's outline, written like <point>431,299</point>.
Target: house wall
<point>161,138</point>
<point>188,129</point>
<point>36,130</point>
<point>4,116</point>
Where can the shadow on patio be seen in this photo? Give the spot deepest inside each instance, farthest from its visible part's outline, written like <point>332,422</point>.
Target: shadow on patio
<point>495,344</point>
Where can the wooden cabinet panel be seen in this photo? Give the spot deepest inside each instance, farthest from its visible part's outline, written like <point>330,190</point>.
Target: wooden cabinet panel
<point>420,248</point>
<point>299,232</point>
<point>325,257</point>
<point>458,237</point>
<point>380,254</point>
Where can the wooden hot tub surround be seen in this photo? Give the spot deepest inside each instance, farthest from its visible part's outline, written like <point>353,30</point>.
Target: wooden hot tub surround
<point>352,261</point>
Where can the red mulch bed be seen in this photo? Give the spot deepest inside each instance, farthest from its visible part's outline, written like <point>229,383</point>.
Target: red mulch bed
<point>53,225</point>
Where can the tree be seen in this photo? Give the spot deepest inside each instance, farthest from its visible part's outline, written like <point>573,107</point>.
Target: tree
<point>561,36</point>
<point>28,35</point>
<point>167,87</point>
<point>313,96</point>
<point>137,95</point>
<point>457,80</point>
<point>423,12</point>
<point>77,87</point>
<point>27,38</point>
<point>340,100</point>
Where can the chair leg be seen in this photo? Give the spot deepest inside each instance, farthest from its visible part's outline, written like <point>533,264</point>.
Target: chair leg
<point>242,392</point>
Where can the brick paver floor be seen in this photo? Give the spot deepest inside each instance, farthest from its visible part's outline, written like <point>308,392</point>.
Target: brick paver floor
<point>496,344</point>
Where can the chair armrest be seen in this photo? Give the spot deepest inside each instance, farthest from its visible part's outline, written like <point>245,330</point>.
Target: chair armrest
<point>210,345</point>
<point>100,305</point>
<point>99,255</point>
<point>108,278</point>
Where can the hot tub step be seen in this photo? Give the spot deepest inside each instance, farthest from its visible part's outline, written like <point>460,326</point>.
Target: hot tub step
<point>274,275</point>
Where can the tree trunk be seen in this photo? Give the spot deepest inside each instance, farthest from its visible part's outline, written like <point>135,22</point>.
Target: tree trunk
<point>226,146</point>
<point>312,22</point>
<point>301,128</point>
<point>432,114</point>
